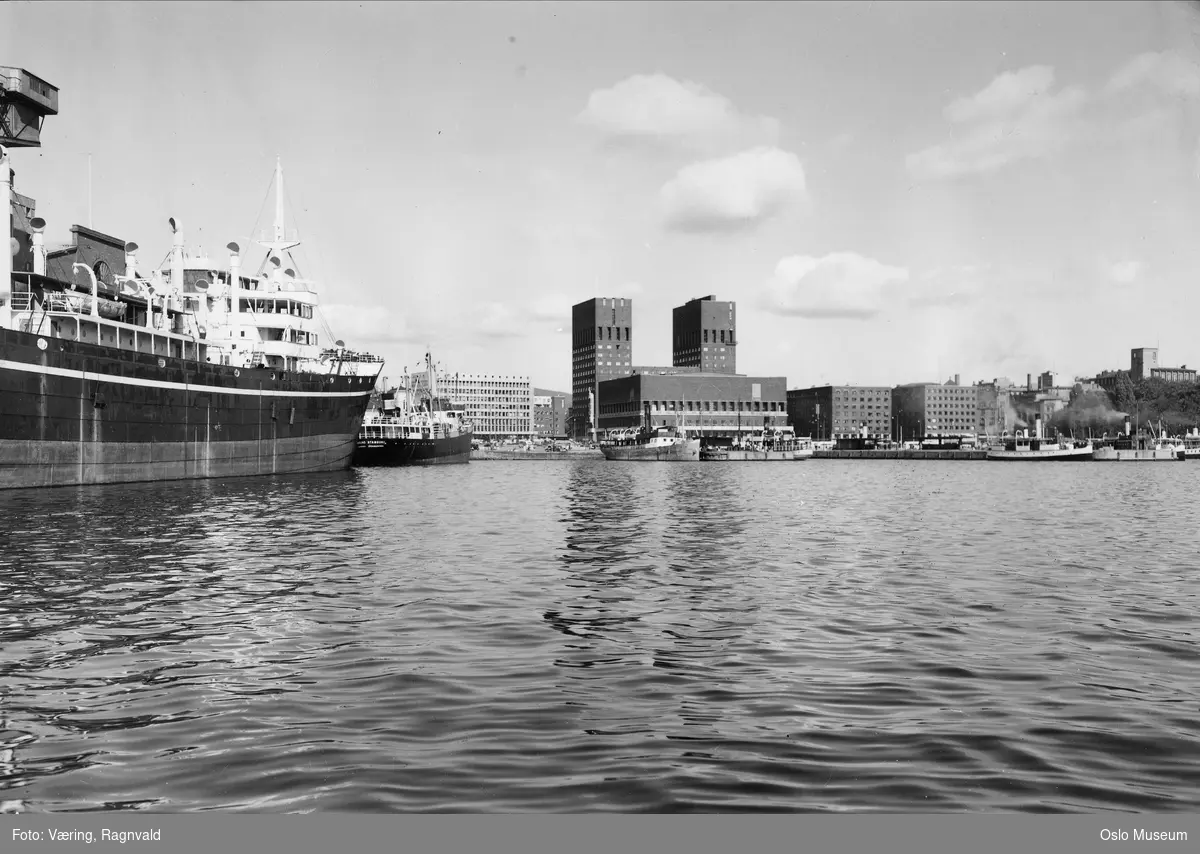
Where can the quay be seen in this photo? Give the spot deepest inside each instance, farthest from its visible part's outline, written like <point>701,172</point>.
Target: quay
<point>898,454</point>
<point>535,455</point>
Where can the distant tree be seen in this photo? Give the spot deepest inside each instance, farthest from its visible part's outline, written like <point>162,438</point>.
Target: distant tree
<point>1124,399</point>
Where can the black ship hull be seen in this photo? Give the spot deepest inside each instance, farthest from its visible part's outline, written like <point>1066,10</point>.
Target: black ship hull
<point>75,413</point>
<point>413,451</point>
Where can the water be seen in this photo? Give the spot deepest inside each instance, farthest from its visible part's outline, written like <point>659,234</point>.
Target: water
<point>580,636</point>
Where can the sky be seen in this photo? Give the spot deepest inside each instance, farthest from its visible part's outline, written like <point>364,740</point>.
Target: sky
<point>891,191</point>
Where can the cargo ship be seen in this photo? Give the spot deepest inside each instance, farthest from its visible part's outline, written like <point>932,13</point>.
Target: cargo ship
<point>1037,448</point>
<point>110,375</point>
<point>414,426</point>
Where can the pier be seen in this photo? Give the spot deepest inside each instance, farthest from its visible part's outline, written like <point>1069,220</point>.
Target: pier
<point>901,455</point>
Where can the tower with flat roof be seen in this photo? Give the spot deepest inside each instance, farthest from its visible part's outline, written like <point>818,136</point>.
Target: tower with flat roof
<point>601,349</point>
<point>704,335</point>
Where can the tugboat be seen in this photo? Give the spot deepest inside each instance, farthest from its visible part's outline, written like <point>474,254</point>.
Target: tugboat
<point>113,376</point>
<point>664,444</point>
<point>1036,448</point>
<point>413,426</point>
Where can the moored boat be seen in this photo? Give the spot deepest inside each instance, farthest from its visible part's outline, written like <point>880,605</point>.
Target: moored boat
<point>414,426</point>
<point>1144,446</point>
<point>107,375</point>
<point>662,444</point>
<point>1037,448</point>
<point>778,444</point>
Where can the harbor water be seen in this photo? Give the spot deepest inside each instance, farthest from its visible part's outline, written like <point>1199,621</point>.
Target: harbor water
<point>595,636</point>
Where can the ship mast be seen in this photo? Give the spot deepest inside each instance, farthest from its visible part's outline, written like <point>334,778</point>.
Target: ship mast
<point>279,244</point>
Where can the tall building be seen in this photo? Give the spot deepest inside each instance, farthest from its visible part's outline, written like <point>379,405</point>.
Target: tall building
<point>704,335</point>
<point>931,409</point>
<point>498,407</point>
<point>601,349</point>
<point>837,412</point>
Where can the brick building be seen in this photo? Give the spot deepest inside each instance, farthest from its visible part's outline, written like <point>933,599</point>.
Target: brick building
<point>934,410</point>
<point>712,405</point>
<point>601,349</point>
<point>550,413</point>
<point>836,412</point>
<point>704,335</point>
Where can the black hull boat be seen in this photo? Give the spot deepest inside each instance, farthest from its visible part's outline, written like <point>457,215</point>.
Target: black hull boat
<point>74,413</point>
<point>413,426</point>
<point>413,451</point>
<point>108,375</point>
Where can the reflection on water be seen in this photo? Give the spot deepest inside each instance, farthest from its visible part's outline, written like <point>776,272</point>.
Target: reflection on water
<point>598,636</point>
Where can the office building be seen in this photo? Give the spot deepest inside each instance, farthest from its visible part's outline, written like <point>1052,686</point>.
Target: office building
<point>933,410</point>
<point>498,407</point>
<point>831,412</point>
<point>601,349</point>
<point>704,335</point>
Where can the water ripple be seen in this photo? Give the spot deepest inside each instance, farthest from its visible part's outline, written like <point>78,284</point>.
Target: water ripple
<point>821,637</point>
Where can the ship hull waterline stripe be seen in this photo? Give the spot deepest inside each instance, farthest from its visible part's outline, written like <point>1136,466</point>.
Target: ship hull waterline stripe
<point>6,364</point>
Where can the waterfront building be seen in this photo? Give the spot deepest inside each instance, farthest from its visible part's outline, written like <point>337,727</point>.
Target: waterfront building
<point>712,405</point>
<point>601,349</point>
<point>994,407</point>
<point>497,407</point>
<point>550,412</point>
<point>840,412</point>
<point>934,410</point>
<point>704,335</point>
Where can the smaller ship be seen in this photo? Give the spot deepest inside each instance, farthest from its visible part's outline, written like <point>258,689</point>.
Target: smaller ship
<point>778,443</point>
<point>413,426</point>
<point>1037,448</point>
<point>1142,447</point>
<point>664,444</point>
<point>804,448</point>
<point>1190,449</point>
<point>649,444</point>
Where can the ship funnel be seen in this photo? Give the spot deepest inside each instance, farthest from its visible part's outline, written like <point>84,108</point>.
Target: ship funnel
<point>1127,432</point>
<point>37,225</point>
<point>131,259</point>
<point>1037,426</point>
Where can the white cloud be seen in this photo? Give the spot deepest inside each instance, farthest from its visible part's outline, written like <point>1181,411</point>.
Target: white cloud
<point>841,284</point>
<point>1125,272</point>
<point>1169,71</point>
<point>655,106</point>
<point>1015,117</point>
<point>945,286</point>
<point>732,193</point>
